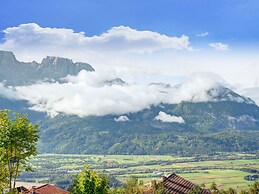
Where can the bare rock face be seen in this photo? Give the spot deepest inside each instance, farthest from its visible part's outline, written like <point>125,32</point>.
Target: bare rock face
<point>7,57</point>
<point>14,72</point>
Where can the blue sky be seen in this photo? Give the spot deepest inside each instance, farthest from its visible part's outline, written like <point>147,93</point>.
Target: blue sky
<point>232,21</point>
<point>140,41</point>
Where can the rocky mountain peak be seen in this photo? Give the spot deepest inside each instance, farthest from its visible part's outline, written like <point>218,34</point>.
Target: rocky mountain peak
<point>7,56</point>
<point>226,94</point>
<point>14,72</point>
<point>116,81</point>
<point>52,60</point>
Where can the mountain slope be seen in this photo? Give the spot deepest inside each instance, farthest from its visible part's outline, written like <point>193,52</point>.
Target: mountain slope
<point>208,127</point>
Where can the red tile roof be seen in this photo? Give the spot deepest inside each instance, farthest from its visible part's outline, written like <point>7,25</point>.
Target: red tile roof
<point>175,184</point>
<point>46,189</point>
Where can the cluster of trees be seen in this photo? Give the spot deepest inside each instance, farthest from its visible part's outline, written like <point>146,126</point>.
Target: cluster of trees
<point>18,142</point>
<point>91,182</point>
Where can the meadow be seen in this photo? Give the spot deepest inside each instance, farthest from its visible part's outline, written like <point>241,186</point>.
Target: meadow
<point>226,169</point>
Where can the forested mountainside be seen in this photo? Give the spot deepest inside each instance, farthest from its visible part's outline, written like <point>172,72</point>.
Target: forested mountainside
<point>208,128</point>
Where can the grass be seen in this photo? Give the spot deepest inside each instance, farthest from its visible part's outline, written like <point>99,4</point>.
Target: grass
<point>225,171</point>
<point>223,178</point>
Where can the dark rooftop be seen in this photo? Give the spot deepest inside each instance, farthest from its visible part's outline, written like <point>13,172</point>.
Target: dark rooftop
<point>175,184</point>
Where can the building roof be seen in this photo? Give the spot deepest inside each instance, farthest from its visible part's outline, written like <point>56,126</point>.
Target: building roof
<point>29,185</point>
<point>46,189</point>
<point>175,184</point>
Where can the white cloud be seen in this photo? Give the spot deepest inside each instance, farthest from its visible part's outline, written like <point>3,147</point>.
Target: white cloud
<point>83,98</point>
<point>162,116</point>
<point>195,87</point>
<point>122,118</point>
<point>79,96</point>
<point>7,92</point>
<point>87,94</point>
<point>203,34</point>
<point>219,46</point>
<point>32,41</point>
<point>252,93</point>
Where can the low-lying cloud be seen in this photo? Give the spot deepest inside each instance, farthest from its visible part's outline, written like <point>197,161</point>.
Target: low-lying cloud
<point>167,118</point>
<point>122,118</point>
<point>252,93</point>
<point>7,92</point>
<point>88,94</point>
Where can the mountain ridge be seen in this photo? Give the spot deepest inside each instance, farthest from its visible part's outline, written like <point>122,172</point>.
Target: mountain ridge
<point>14,72</point>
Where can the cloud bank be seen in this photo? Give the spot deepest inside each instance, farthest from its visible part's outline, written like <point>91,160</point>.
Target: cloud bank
<point>8,92</point>
<point>39,41</point>
<point>89,94</point>
<point>166,118</point>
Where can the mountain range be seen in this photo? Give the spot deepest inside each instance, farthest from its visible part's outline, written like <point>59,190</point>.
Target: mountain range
<point>228,122</point>
<point>14,72</point>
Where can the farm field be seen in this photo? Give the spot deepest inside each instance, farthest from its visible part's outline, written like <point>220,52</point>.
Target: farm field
<point>226,169</point>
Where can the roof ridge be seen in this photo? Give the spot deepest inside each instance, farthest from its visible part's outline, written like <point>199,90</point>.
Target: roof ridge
<point>178,184</point>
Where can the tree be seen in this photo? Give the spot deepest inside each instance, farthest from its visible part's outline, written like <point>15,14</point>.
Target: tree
<point>213,187</point>
<point>3,175</point>
<point>231,191</point>
<point>196,190</point>
<point>131,186</point>
<point>254,189</point>
<point>18,143</point>
<point>157,187</point>
<point>134,186</point>
<point>90,182</point>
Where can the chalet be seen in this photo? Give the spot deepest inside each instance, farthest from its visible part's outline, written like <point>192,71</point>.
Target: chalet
<point>175,184</point>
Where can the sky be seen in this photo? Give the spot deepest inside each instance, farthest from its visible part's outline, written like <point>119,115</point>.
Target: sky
<point>141,41</point>
<point>228,21</point>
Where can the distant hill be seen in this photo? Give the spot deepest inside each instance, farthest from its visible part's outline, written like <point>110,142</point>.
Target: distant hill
<point>14,72</point>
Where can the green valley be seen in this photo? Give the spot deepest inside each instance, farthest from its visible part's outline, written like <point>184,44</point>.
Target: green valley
<point>226,169</point>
